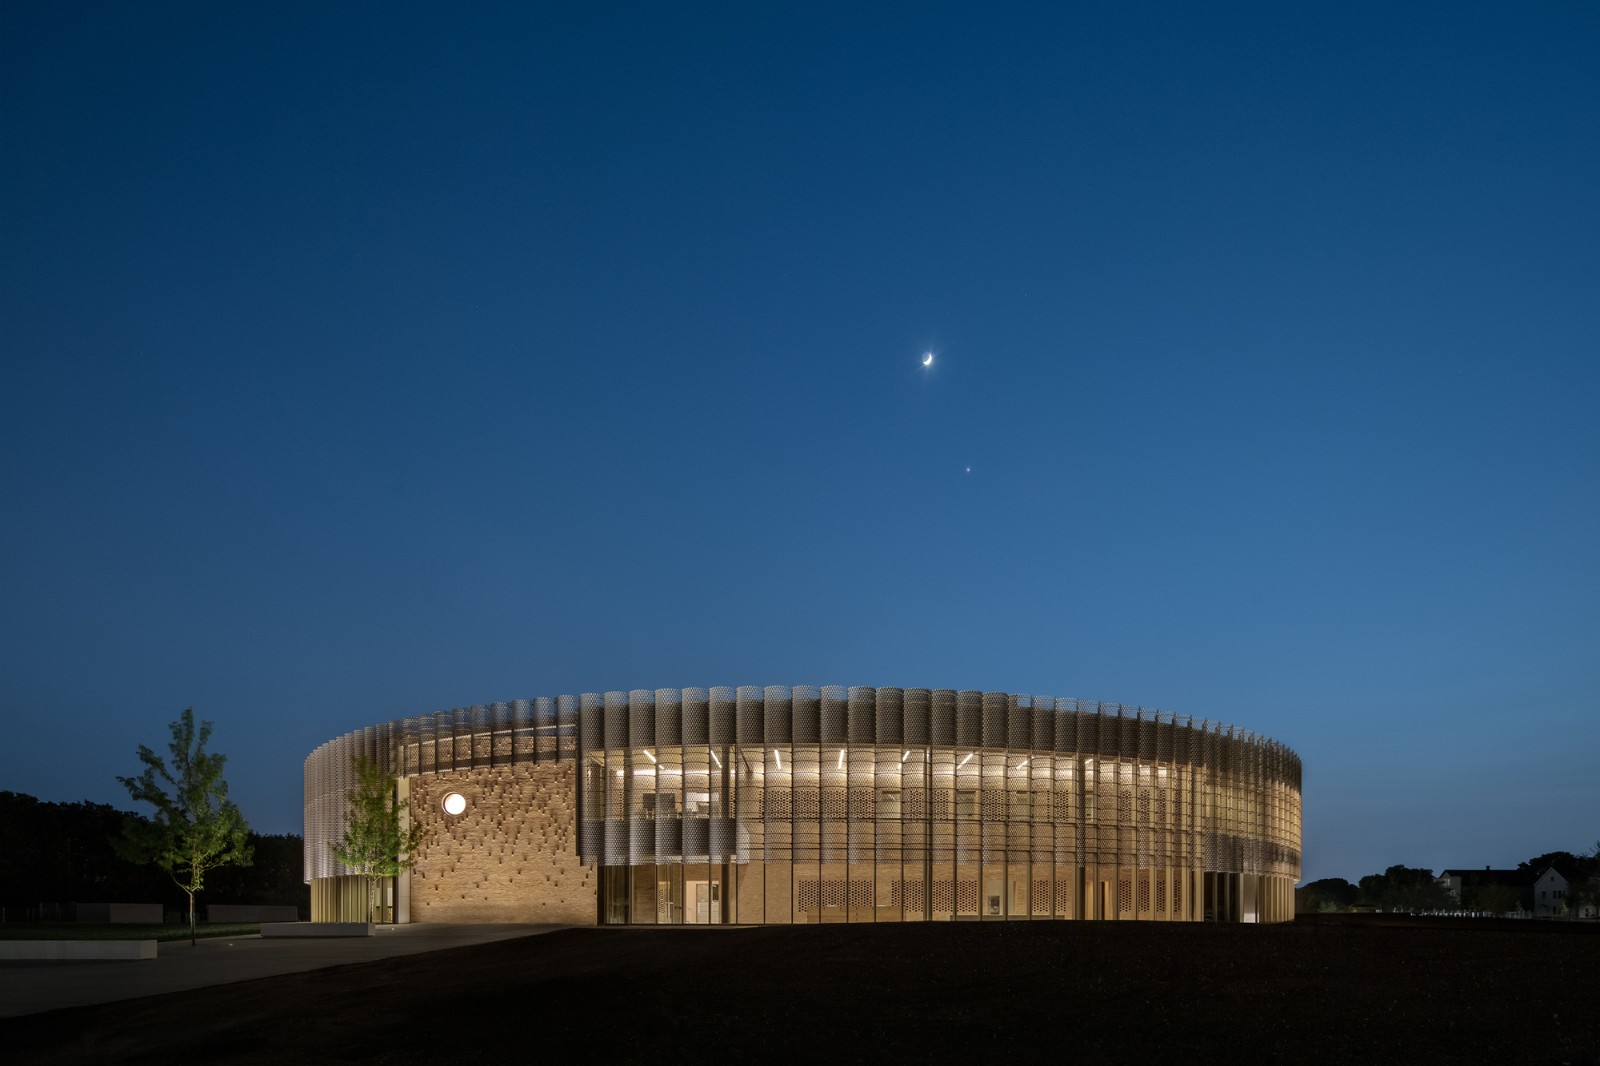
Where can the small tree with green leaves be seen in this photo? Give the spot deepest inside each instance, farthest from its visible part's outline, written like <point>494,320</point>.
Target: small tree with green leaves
<point>196,827</point>
<point>378,840</point>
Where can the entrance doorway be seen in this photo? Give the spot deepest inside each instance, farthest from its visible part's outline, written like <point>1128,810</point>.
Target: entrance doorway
<point>705,903</point>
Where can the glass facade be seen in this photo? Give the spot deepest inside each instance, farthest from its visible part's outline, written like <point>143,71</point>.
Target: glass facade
<point>865,805</point>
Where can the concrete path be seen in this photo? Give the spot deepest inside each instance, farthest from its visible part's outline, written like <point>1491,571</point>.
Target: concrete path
<point>30,987</point>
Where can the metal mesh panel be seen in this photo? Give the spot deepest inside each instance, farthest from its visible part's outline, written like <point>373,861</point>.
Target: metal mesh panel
<point>616,720</point>
<point>889,716</point>
<point>834,712</point>
<point>806,715</point>
<point>696,716</point>
<point>862,713</point>
<point>969,718</point>
<point>720,716</point>
<point>749,715</point>
<point>777,719</point>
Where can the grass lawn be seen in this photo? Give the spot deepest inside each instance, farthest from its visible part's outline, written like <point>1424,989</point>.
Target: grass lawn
<point>107,931</point>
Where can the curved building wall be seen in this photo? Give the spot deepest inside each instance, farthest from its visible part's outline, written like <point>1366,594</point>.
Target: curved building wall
<point>828,804</point>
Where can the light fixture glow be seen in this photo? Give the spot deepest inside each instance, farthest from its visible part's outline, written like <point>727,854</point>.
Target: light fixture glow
<point>714,757</point>
<point>840,766</point>
<point>1023,763</point>
<point>454,803</point>
<point>906,756</point>
<point>778,755</point>
<point>968,759</point>
<point>647,754</point>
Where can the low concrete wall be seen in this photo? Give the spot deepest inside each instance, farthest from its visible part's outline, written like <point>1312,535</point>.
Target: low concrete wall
<point>242,912</point>
<point>315,929</point>
<point>77,949</point>
<point>120,913</point>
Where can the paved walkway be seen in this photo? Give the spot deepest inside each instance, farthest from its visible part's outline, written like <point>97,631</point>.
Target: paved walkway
<point>30,987</point>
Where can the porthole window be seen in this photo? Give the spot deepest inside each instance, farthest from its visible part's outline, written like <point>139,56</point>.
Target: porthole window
<point>455,803</point>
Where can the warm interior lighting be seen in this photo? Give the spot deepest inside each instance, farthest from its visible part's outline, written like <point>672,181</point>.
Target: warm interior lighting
<point>454,803</point>
<point>906,756</point>
<point>1023,763</point>
<point>840,766</point>
<point>647,754</point>
<point>715,759</point>
<point>778,755</point>
<point>968,759</point>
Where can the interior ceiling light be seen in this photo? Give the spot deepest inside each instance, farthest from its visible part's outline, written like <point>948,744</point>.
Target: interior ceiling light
<point>454,803</point>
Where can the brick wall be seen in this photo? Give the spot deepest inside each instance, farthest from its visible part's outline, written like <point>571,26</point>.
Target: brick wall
<point>512,856</point>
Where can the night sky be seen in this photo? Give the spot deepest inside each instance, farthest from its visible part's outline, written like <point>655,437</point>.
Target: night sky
<point>361,361</point>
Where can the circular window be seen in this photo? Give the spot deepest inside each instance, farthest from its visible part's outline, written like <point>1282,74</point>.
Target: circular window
<point>455,803</point>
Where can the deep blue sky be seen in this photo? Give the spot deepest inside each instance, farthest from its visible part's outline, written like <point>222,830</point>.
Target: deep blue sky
<point>365,360</point>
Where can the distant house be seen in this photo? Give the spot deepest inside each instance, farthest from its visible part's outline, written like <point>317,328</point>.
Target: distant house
<point>1465,887</point>
<point>1550,894</point>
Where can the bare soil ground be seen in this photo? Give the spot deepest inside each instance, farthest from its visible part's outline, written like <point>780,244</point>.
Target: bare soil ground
<point>1325,990</point>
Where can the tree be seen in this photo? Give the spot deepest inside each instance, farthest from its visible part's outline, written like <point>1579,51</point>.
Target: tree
<point>1495,898</point>
<point>377,841</point>
<point>196,828</point>
<point>1583,889</point>
<point>1328,894</point>
<point>1567,865</point>
<point>1404,888</point>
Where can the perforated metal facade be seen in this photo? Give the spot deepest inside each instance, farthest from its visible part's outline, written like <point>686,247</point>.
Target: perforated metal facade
<point>876,804</point>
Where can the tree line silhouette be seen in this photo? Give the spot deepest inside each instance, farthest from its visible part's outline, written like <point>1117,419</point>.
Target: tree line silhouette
<point>1415,890</point>
<point>61,854</point>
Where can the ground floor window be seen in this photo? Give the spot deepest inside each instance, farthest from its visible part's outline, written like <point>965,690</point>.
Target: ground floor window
<point>783,893</point>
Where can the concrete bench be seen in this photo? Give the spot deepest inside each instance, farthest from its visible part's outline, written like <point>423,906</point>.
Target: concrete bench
<point>83,950</point>
<point>315,929</point>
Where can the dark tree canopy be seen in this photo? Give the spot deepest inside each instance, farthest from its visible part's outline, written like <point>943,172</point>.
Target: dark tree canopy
<point>1404,888</point>
<point>58,854</point>
<point>1566,864</point>
<point>1330,893</point>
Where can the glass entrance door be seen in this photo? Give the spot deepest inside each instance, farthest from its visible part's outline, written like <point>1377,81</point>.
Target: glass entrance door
<point>705,901</point>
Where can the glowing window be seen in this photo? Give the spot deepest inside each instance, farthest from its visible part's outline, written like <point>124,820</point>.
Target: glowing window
<point>455,803</point>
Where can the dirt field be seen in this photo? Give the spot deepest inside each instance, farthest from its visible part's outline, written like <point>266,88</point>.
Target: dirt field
<point>1325,990</point>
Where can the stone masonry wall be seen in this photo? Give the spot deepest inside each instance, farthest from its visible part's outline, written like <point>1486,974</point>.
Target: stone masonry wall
<point>512,856</point>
